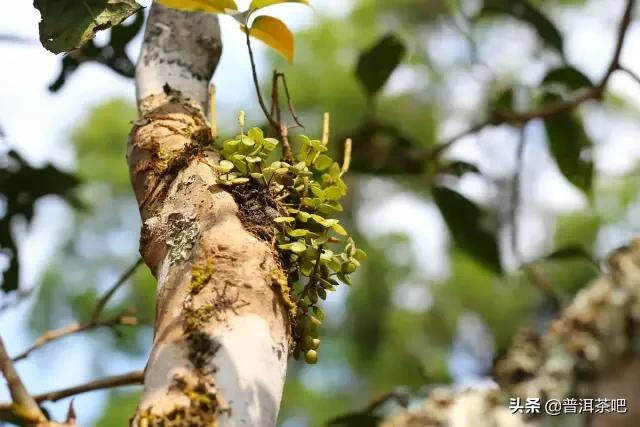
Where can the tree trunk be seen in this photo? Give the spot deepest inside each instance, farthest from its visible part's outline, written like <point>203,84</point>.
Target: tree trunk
<point>592,351</point>
<point>221,337</point>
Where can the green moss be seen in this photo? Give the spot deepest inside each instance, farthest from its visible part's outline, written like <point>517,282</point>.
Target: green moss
<point>201,411</point>
<point>200,276</point>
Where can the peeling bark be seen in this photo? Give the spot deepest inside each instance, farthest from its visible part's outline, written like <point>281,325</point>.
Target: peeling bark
<point>221,338</point>
<point>591,351</point>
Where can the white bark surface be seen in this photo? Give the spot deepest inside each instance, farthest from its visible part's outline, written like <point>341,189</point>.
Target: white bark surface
<point>221,337</point>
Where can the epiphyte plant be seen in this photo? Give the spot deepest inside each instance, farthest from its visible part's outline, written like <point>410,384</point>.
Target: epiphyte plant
<point>316,252</point>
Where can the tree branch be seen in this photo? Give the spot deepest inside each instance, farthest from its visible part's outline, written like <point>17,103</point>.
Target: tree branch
<point>132,378</point>
<point>572,101</point>
<point>24,406</point>
<point>631,74</point>
<point>102,302</point>
<point>124,319</point>
<point>254,73</point>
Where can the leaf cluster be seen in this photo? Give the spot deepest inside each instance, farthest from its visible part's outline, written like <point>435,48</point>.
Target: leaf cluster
<point>316,251</point>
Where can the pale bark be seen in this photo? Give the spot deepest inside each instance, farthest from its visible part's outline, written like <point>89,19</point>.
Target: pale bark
<point>221,332</point>
<point>591,351</point>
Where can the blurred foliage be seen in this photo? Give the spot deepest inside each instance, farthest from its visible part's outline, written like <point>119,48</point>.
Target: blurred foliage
<point>118,410</point>
<point>21,185</point>
<point>100,246</point>
<point>384,86</point>
<point>111,54</point>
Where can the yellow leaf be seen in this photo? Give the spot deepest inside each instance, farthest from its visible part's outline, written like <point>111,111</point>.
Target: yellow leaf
<point>259,4</point>
<point>212,6</point>
<point>274,33</point>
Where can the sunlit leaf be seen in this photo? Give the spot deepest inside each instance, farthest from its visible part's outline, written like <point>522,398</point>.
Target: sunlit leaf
<point>259,4</point>
<point>339,229</point>
<point>323,162</point>
<point>211,6</point>
<point>282,219</point>
<point>275,34</point>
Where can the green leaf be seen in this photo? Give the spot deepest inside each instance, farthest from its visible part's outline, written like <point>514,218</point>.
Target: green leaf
<point>569,145</point>
<point>571,77</point>
<point>317,191</point>
<point>330,207</point>
<point>270,144</point>
<point>304,216</point>
<point>211,6</point>
<point>296,247</point>
<point>334,171</point>
<point>464,220</point>
<point>225,166</point>
<point>377,63</point>
<point>323,162</point>
<point>240,180</point>
<point>299,232</point>
<point>344,278</point>
<point>360,255</point>
<point>568,253</point>
<point>68,24</point>
<point>281,219</point>
<point>259,4</point>
<point>339,229</point>
<point>275,34</point>
<point>333,193</point>
<point>524,11</point>
<point>329,222</point>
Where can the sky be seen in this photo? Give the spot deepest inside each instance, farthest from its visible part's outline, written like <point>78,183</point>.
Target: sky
<point>37,124</point>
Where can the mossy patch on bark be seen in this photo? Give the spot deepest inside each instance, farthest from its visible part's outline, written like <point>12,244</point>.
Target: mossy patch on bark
<point>202,410</point>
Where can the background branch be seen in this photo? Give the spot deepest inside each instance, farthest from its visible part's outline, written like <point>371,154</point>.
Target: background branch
<point>572,101</point>
<point>125,318</point>
<point>24,406</point>
<point>132,378</point>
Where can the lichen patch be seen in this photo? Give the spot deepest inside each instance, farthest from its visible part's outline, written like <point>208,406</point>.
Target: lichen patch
<point>181,237</point>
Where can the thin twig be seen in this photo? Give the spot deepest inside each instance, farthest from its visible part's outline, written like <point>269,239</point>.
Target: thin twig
<point>24,406</point>
<point>277,126</point>
<point>125,319</point>
<point>102,302</point>
<point>292,111</point>
<point>631,74</point>
<point>275,97</point>
<point>132,378</point>
<point>254,71</point>
<point>572,101</point>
